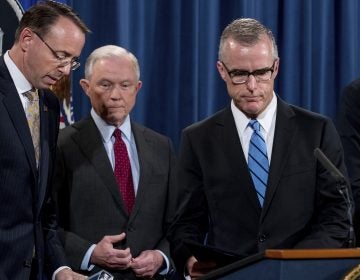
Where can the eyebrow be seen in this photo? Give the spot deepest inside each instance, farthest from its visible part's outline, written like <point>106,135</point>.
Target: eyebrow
<point>66,54</point>
<point>243,70</point>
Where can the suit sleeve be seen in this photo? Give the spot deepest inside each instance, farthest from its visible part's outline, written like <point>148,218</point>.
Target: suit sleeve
<point>54,251</point>
<point>331,223</point>
<point>191,219</point>
<point>75,246</point>
<point>349,130</point>
<point>55,254</point>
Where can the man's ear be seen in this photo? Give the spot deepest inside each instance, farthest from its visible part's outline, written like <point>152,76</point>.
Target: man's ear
<point>138,86</point>
<point>84,83</point>
<point>25,38</point>
<point>221,70</point>
<point>276,68</point>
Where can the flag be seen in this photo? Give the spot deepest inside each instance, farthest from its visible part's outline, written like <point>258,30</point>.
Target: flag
<point>62,89</point>
<point>66,113</point>
<point>10,15</point>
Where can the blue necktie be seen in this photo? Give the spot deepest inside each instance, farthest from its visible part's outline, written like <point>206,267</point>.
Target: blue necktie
<point>258,161</point>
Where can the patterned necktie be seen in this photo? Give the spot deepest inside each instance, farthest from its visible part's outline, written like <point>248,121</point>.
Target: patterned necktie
<point>123,171</point>
<point>258,161</point>
<point>33,117</point>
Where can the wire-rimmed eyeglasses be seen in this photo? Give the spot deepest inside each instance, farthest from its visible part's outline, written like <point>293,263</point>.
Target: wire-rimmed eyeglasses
<point>62,59</point>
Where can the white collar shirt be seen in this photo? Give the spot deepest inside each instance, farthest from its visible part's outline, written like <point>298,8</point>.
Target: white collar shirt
<point>267,121</point>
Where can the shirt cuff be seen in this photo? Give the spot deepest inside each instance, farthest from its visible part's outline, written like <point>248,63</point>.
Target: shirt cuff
<point>167,268</point>
<point>85,264</point>
<point>56,271</point>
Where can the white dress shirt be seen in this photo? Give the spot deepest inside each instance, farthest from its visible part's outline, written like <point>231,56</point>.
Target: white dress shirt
<point>267,121</point>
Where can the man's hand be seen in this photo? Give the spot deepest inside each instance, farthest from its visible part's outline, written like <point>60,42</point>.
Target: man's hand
<point>197,269</point>
<point>68,274</point>
<point>105,255</point>
<point>147,263</point>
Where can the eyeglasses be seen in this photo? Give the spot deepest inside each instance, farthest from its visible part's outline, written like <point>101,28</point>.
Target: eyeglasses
<point>62,59</point>
<point>238,76</point>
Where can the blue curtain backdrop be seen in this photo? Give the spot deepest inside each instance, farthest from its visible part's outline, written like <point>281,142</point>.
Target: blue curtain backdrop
<point>176,42</point>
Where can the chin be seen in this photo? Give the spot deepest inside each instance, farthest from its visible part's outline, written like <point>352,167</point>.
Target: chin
<point>115,120</point>
<point>252,113</point>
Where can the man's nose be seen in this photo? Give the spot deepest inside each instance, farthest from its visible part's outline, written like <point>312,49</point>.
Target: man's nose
<point>116,92</point>
<point>251,82</point>
<point>65,69</point>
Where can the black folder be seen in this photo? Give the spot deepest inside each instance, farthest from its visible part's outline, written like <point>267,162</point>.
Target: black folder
<point>209,253</point>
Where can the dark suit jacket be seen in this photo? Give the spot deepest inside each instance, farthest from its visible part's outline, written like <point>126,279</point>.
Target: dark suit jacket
<point>349,129</point>
<point>89,199</point>
<point>24,222</point>
<point>302,209</point>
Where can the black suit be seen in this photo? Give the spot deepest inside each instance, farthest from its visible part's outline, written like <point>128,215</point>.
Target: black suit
<point>349,130</point>
<point>26,217</point>
<point>302,207</point>
<point>90,203</point>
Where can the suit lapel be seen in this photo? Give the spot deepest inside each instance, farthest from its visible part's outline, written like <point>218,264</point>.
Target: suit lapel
<point>89,142</point>
<point>16,113</point>
<point>229,140</point>
<point>283,139</point>
<point>144,149</point>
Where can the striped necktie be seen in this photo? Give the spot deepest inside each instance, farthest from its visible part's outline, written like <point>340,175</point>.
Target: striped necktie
<point>33,117</point>
<point>258,161</point>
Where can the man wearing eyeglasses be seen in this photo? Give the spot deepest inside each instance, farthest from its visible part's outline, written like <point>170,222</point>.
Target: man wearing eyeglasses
<point>249,171</point>
<point>47,44</point>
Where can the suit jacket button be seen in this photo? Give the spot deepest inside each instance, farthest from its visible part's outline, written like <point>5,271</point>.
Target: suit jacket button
<point>27,263</point>
<point>262,237</point>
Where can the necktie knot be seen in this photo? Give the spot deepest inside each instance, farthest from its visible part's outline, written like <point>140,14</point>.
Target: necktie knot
<point>117,133</point>
<point>32,95</point>
<point>255,125</point>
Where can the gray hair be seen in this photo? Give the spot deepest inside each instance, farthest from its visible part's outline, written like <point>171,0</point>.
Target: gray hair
<point>109,51</point>
<point>246,31</point>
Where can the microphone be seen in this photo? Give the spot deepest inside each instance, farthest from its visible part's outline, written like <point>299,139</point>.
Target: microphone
<point>329,166</point>
<point>342,188</point>
<point>101,275</point>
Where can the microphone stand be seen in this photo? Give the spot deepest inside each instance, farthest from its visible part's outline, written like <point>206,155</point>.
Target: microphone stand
<point>343,189</point>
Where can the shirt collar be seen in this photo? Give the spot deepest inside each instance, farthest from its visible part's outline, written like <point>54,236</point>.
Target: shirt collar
<point>107,130</point>
<point>265,118</point>
<point>21,83</point>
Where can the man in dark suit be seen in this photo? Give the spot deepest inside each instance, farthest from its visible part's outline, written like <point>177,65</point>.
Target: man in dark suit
<point>47,42</point>
<point>348,125</point>
<point>245,201</point>
<point>100,228</point>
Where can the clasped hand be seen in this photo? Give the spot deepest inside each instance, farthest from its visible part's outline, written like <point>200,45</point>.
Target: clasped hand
<point>105,255</point>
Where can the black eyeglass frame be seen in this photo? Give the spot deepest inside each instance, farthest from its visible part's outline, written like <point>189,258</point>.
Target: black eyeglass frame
<point>256,73</point>
<point>74,63</point>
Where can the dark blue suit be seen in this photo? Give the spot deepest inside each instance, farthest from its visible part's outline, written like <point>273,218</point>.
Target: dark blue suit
<point>26,218</point>
<point>302,209</point>
<point>349,130</point>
